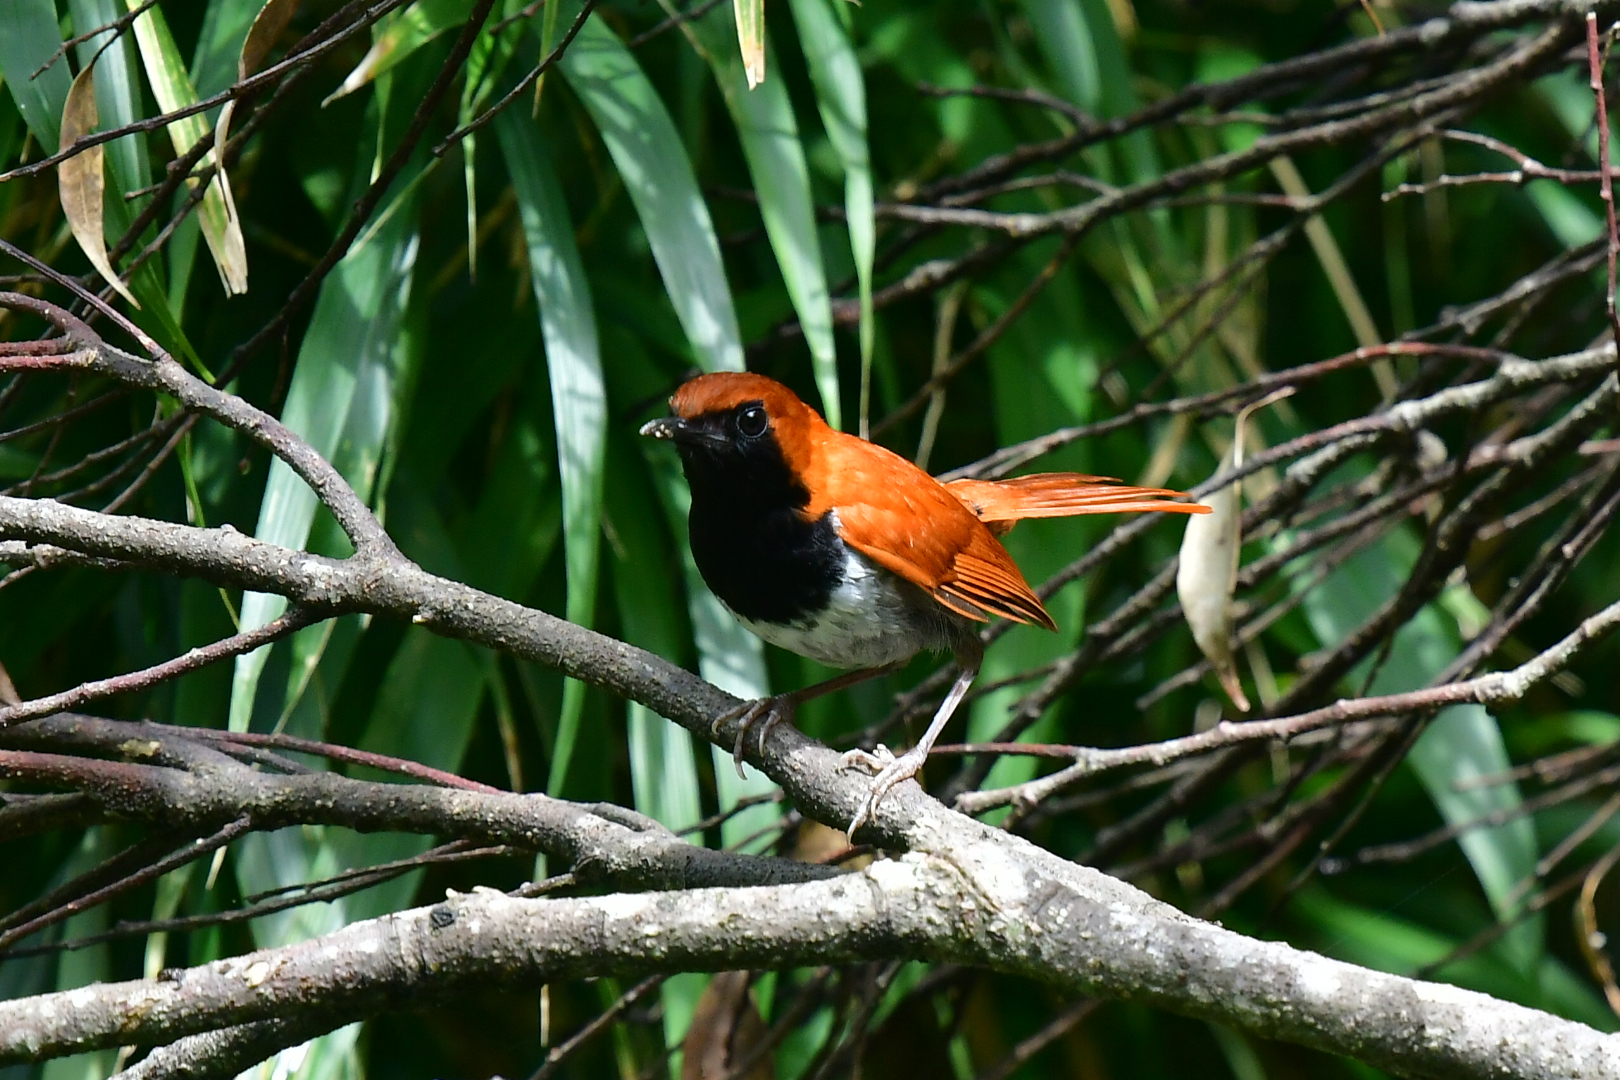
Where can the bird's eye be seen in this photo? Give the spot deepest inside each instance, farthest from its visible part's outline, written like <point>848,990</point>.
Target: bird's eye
<point>752,421</point>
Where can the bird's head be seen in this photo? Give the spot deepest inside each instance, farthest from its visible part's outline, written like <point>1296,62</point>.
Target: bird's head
<point>742,428</point>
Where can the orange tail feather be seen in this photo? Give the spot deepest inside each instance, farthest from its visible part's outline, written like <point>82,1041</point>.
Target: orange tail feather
<point>1000,503</point>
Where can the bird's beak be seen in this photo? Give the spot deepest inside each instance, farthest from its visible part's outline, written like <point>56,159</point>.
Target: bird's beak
<point>668,427</point>
<point>683,433</point>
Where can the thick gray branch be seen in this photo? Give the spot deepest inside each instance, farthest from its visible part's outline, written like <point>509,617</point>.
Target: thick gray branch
<point>993,900</point>
<point>221,1055</point>
<point>216,790</point>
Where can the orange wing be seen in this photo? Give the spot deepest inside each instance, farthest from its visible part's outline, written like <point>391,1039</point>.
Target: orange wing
<point>1001,503</point>
<point>905,521</point>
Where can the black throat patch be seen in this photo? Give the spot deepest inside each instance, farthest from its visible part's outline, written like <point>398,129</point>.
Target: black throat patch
<point>750,541</point>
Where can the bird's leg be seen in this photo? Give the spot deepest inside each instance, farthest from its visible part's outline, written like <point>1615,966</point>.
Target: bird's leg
<point>765,713</point>
<point>891,770</point>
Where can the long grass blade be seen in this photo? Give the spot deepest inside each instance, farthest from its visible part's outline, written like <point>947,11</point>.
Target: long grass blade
<point>648,153</point>
<point>31,36</point>
<point>579,398</point>
<point>835,72</point>
<point>408,31</point>
<point>1460,744</point>
<point>349,350</point>
<point>769,134</point>
<point>171,86</point>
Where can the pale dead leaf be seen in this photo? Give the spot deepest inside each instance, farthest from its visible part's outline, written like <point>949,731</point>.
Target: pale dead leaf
<point>80,182</point>
<point>751,36</point>
<point>818,843</point>
<point>416,25</point>
<point>8,692</point>
<point>1207,575</point>
<point>171,86</point>
<point>268,24</point>
<point>725,1026</point>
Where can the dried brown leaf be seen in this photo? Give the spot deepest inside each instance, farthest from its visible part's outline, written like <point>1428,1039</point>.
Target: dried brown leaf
<point>725,1026</point>
<point>1207,575</point>
<point>268,24</point>
<point>81,183</point>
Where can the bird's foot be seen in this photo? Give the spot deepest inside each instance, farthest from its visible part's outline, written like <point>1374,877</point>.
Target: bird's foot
<point>762,714</point>
<point>888,771</point>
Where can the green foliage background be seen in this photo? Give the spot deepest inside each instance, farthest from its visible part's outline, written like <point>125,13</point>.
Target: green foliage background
<point>480,360</point>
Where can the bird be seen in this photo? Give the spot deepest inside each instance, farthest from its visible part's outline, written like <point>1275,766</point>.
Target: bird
<point>838,549</point>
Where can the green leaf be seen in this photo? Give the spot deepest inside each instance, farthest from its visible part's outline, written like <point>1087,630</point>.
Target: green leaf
<point>1066,41</point>
<point>171,86</point>
<point>400,36</point>
<point>118,92</point>
<point>1461,743</point>
<point>578,397</point>
<point>835,72</point>
<point>219,43</point>
<point>350,353</point>
<point>648,153</point>
<point>31,36</point>
<point>1386,941</point>
<point>770,142</point>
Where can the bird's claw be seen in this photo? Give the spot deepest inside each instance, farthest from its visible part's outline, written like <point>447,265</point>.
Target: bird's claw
<point>762,713</point>
<point>889,771</point>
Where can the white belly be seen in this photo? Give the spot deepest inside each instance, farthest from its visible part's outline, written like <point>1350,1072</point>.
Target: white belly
<point>872,618</point>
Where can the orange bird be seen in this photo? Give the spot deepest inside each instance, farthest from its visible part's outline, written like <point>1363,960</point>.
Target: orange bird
<point>842,551</point>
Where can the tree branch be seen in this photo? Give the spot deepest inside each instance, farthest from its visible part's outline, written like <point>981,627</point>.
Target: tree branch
<point>991,900</point>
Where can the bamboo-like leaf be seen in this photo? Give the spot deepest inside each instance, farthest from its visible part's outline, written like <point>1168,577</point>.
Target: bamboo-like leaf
<point>1207,575</point>
<point>578,396</point>
<point>81,183</point>
<point>488,59</point>
<point>30,37</point>
<point>663,767</point>
<point>1461,744</point>
<point>648,153</point>
<point>770,142</point>
<point>349,353</point>
<point>172,88</point>
<point>225,26</point>
<point>118,98</point>
<point>272,19</point>
<point>85,967</point>
<point>548,42</point>
<point>835,71</point>
<point>1331,259</point>
<point>414,27</point>
<point>751,39</point>
<point>267,25</point>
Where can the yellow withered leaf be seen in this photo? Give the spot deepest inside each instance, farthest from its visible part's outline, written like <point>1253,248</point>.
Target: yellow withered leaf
<point>1207,575</point>
<point>751,36</point>
<point>81,183</point>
